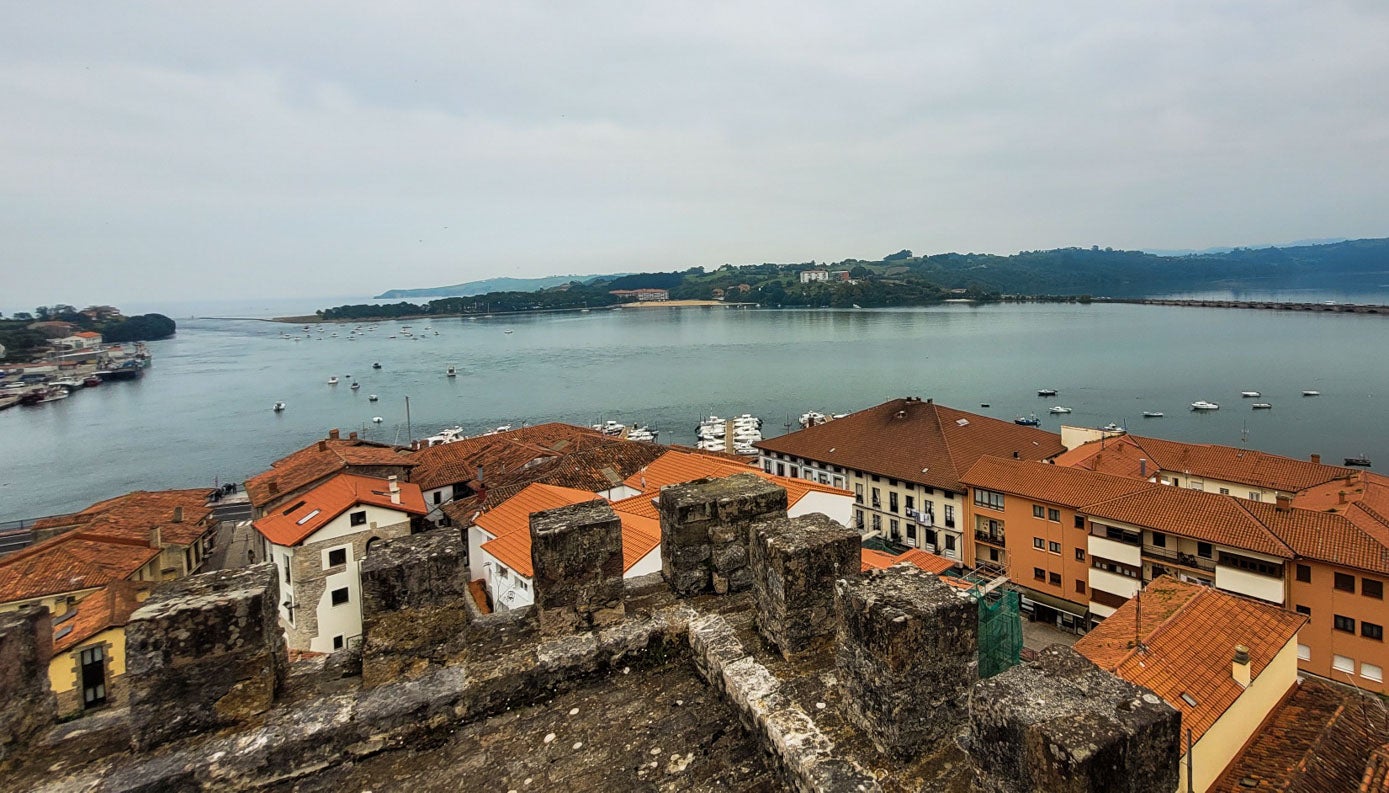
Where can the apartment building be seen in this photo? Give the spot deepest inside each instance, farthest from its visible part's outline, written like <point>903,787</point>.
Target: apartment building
<point>903,461</point>
<point>291,476</point>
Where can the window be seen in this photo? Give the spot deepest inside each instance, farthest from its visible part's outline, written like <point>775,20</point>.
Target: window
<point>988,498</point>
<point>877,522</point>
<point>1304,574</point>
<point>1372,672</point>
<point>891,482</point>
<point>1305,611</point>
<point>892,501</point>
<point>1038,543</point>
<point>858,519</point>
<point>858,492</point>
<point>949,516</point>
<point>337,640</point>
<point>1080,521</point>
<point>1304,653</point>
<point>1224,491</point>
<point>950,542</point>
<point>911,531</point>
<point>911,503</point>
<point>1371,588</point>
<point>1080,587</point>
<point>1054,547</point>
<point>1253,495</point>
<point>1080,554</point>
<point>781,469</point>
<point>1159,540</point>
<point>1039,574</point>
<point>287,570</point>
<point>892,527</point>
<point>1037,511</point>
<point>1120,535</point>
<point>767,466</point>
<point>877,499</point>
<point>1345,583</point>
<point>1054,579</point>
<point>1204,550</point>
<point>1054,515</point>
<point>1346,624</point>
<point>339,596</point>
<point>876,479</point>
<point>337,556</point>
<point>1343,664</point>
<point>358,518</point>
<point>1372,631</point>
<point>1271,569</point>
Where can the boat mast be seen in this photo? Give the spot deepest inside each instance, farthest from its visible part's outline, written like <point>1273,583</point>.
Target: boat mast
<point>409,430</point>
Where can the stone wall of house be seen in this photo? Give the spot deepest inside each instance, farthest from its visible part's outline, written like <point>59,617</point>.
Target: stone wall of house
<point>204,652</point>
<point>308,576</point>
<point>414,605</point>
<point>705,528</point>
<point>26,646</point>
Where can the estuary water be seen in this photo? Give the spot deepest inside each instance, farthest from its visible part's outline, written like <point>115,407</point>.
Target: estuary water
<point>202,414</point>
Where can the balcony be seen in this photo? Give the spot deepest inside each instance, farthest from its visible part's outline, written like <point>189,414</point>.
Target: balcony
<point>1183,559</point>
<point>991,537</point>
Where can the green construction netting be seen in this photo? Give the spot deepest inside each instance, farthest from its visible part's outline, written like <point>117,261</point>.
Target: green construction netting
<point>1000,631</point>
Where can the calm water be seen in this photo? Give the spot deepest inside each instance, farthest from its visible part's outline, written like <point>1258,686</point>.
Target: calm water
<point>202,413</point>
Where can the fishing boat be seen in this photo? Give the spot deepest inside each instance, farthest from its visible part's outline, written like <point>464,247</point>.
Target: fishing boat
<point>1060,409</point>
<point>279,407</point>
<point>1254,394</point>
<point>1202,404</point>
<point>451,372</point>
<point>1361,461</point>
<point>1152,414</point>
<point>1262,406</point>
<point>1046,392</point>
<point>1028,421</point>
<point>1311,393</point>
<point>333,380</point>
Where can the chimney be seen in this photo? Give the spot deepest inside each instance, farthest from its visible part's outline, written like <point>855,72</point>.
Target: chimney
<point>323,446</point>
<point>156,540</point>
<point>1316,458</point>
<point>1017,456</point>
<point>1239,668</point>
<point>333,434</point>
<point>352,436</point>
<point>1341,496</point>
<point>1283,502</point>
<point>1143,467</point>
<point>395,488</point>
<point>479,475</point>
<point>178,514</point>
<point>273,486</point>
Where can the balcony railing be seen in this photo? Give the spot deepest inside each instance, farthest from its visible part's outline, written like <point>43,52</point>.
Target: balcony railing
<point>1183,559</point>
<point>993,537</point>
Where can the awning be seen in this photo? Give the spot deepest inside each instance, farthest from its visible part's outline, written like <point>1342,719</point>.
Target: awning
<point>1051,601</point>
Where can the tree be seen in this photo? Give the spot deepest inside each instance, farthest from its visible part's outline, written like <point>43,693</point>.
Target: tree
<point>23,316</point>
<point>142,328</point>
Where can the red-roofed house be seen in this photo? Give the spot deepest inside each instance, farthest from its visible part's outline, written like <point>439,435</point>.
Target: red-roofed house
<point>291,475</point>
<point>316,542</point>
<point>89,648</point>
<point>1224,661</point>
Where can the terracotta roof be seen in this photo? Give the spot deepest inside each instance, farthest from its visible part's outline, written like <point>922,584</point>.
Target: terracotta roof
<point>88,334</point>
<point>70,562</point>
<point>1218,519</point>
<point>498,454</point>
<point>320,460</point>
<point>929,562</point>
<point>1355,537</point>
<point>108,607</point>
<point>916,441</point>
<point>312,510</point>
<point>595,465</point>
<point>678,466</point>
<point>134,514</point>
<point>514,514</point>
<point>509,524</point>
<point>1055,484</point>
<point>1323,738</point>
<point>870,559</point>
<point>1189,633</point>
<point>1118,455</point>
<point>1227,463</point>
<point>643,504</point>
<point>1376,779</point>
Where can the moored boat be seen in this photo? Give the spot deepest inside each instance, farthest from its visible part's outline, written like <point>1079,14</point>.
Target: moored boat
<point>1152,414</point>
<point>1255,394</point>
<point>1262,406</point>
<point>1202,404</point>
<point>279,407</point>
<point>1311,393</point>
<point>1060,409</point>
<point>1028,421</point>
<point>1046,392</point>
<point>333,380</point>
<point>1361,461</point>
<point>451,372</point>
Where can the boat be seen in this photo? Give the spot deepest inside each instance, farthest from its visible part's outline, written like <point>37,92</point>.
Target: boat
<point>1029,421</point>
<point>1202,404</point>
<point>1111,427</point>
<point>376,365</point>
<point>642,433</point>
<point>376,419</point>
<point>71,385</point>
<point>332,381</point>
<point>610,427</point>
<point>452,372</point>
<point>279,407</point>
<point>1361,461</point>
<point>1261,406</point>
<point>1059,409</point>
<point>1152,414</point>
<point>54,394</point>
<point>813,418</point>
<point>1254,394</point>
<point>1311,393</point>
<point>1045,392</point>
<point>31,398</point>
<point>508,331</point>
<point>356,386</point>
<point>91,381</point>
<point>371,397</point>
<point>446,435</point>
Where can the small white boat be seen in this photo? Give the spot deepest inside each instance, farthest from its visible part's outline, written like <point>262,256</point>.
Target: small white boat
<point>642,433</point>
<point>1262,406</point>
<point>332,381</point>
<point>1311,393</point>
<point>1046,392</point>
<point>279,407</point>
<point>1253,394</point>
<point>1152,414</point>
<point>376,419</point>
<point>508,331</point>
<point>1060,409</point>
<point>452,372</point>
<point>610,427</point>
<point>371,397</point>
<point>1111,427</point>
<point>1202,404</point>
<point>356,386</point>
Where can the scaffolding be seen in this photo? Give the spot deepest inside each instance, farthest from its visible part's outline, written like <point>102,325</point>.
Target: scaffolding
<point>1000,627</point>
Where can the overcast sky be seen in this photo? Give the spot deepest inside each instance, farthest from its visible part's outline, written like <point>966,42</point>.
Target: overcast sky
<point>184,150</point>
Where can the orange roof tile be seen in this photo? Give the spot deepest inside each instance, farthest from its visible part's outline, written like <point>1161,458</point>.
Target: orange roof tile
<point>677,467</point>
<point>71,562</point>
<point>870,559</point>
<point>1354,537</point>
<point>498,454</point>
<point>312,510</point>
<point>929,562</point>
<point>1222,520</point>
<point>108,607</point>
<point>1227,463</point>
<point>1322,738</point>
<point>514,514</point>
<point>1054,484</point>
<point>511,528</point>
<point>317,461</point>
<point>642,504</point>
<point>916,441</point>
<point>133,515</point>
<point>1189,633</point>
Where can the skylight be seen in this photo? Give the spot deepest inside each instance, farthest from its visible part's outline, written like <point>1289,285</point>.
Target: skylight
<point>307,518</point>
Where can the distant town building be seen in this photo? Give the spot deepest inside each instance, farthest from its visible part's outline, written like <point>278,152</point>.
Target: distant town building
<point>82,340</point>
<point>642,295</point>
<point>839,275</point>
<point>814,275</point>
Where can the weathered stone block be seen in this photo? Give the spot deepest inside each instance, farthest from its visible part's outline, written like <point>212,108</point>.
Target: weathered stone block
<point>414,604</point>
<point>577,555</point>
<point>1062,724</point>
<point>907,656</point>
<point>794,566</point>
<point>204,652</point>
<point>704,527</point>
<point>26,647</point>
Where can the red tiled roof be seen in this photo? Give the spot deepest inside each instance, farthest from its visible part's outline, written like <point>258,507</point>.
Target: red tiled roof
<point>108,607</point>
<point>133,515</point>
<point>678,466</point>
<point>1205,460</point>
<point>509,523</point>
<point>916,441</point>
<point>929,562</point>
<point>320,460</point>
<point>870,559</point>
<point>71,562</point>
<point>1192,513</point>
<point>498,454</point>
<point>312,510</point>
<point>514,514</point>
<point>1189,633</point>
<point>1322,738</point>
<point>1054,484</point>
<point>1354,537</point>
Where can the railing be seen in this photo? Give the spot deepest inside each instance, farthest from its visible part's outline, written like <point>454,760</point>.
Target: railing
<point>995,537</point>
<point>16,535</point>
<point>1184,559</point>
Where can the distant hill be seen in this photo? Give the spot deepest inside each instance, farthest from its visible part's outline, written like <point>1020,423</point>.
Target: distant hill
<point>491,285</point>
<point>1228,248</point>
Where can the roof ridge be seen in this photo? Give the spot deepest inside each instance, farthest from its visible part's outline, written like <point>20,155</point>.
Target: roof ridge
<point>1259,522</point>
<point>945,441</point>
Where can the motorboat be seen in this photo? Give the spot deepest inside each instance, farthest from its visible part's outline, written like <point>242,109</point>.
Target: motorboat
<point>508,331</point>
<point>1361,461</point>
<point>372,397</point>
<point>1028,421</point>
<point>91,381</point>
<point>1262,406</point>
<point>54,394</point>
<point>1111,427</point>
<point>1046,392</point>
<point>376,365</point>
<point>1152,414</point>
<point>451,372</point>
<point>446,435</point>
<point>812,418</point>
<point>1311,393</point>
<point>610,427</point>
<point>356,386</point>
<point>332,381</point>
<point>279,407</point>
<point>1060,409</point>
<point>1202,404</point>
<point>642,433</point>
<point>376,419</point>
<point>1254,394</point>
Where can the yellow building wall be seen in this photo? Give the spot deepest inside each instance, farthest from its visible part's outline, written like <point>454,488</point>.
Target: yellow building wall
<point>1233,729</point>
<point>64,670</point>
